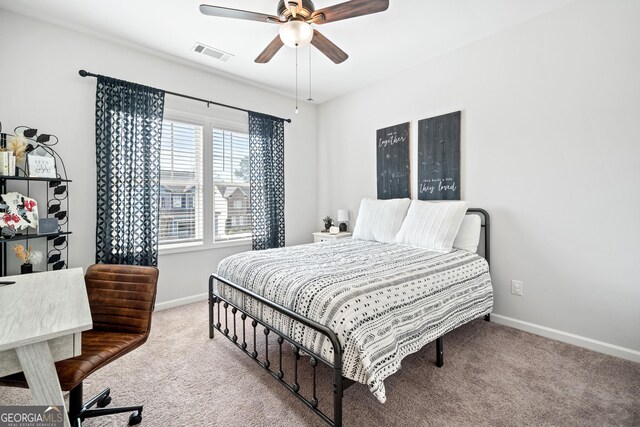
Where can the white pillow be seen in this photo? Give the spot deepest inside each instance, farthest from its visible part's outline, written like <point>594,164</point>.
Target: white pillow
<point>380,220</point>
<point>431,225</point>
<point>468,236</point>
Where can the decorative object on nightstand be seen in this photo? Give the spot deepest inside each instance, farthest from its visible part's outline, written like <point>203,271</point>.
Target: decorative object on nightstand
<point>334,230</point>
<point>328,222</point>
<point>343,218</point>
<point>321,236</point>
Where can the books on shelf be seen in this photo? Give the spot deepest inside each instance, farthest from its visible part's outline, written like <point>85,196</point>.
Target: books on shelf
<point>7,163</point>
<point>4,163</point>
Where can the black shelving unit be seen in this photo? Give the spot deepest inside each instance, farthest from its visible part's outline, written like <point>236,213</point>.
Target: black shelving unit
<point>28,178</point>
<point>57,206</point>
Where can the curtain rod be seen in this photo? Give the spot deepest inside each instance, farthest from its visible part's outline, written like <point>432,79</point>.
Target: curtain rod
<point>84,73</point>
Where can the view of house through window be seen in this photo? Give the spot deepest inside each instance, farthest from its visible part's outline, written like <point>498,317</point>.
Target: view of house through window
<point>231,219</point>
<point>186,214</point>
<point>181,195</point>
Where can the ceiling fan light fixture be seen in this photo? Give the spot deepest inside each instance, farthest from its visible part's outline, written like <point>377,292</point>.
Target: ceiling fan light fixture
<point>296,33</point>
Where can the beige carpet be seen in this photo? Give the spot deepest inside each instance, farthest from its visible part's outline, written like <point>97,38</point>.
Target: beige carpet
<point>493,375</point>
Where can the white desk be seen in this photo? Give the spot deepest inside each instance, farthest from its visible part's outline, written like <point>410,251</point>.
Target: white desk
<point>42,316</point>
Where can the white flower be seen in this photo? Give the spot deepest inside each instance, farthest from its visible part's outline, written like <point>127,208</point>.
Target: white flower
<point>36,257</point>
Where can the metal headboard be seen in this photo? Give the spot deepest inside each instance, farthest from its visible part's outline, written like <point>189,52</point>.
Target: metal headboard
<point>486,223</point>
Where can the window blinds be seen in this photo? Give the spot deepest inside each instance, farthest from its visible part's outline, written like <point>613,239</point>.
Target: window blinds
<point>181,186</point>
<point>232,217</point>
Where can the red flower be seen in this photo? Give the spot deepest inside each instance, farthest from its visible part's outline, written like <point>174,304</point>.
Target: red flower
<point>29,204</point>
<point>15,218</point>
<point>6,218</point>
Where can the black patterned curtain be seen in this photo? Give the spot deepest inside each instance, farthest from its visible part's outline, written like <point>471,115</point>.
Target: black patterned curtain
<point>266,158</point>
<point>128,131</point>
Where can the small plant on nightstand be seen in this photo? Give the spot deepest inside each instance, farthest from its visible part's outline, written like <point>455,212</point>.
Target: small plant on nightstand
<point>328,222</point>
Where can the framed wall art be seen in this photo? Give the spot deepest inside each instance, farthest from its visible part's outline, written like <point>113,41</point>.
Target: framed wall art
<point>392,158</point>
<point>439,157</point>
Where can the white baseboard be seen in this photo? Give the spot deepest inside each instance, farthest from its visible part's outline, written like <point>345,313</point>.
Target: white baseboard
<point>591,344</point>
<point>181,301</point>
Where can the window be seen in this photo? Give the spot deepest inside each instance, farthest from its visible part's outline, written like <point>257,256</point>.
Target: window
<point>204,181</point>
<point>231,184</point>
<point>181,186</point>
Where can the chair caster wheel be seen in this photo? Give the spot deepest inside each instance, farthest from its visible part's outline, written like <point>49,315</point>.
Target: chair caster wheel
<point>135,418</point>
<point>103,401</point>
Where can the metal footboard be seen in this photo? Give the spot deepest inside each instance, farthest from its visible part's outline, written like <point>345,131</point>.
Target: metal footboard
<point>231,330</point>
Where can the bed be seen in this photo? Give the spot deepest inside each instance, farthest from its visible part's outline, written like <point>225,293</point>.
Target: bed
<point>357,306</point>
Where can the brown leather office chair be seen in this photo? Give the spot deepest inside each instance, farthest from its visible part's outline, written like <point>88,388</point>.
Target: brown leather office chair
<point>121,299</point>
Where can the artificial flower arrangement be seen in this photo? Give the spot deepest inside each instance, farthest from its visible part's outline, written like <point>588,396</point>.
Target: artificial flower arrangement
<point>18,144</point>
<point>27,256</point>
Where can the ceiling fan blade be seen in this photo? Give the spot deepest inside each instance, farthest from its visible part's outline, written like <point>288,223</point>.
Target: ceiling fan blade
<point>268,53</point>
<point>327,47</point>
<point>349,9</point>
<point>225,12</point>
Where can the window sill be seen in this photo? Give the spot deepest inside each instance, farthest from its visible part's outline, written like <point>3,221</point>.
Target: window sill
<point>195,247</point>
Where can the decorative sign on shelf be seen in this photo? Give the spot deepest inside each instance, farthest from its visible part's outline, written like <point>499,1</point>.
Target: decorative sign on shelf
<point>41,164</point>
<point>392,150</point>
<point>439,157</point>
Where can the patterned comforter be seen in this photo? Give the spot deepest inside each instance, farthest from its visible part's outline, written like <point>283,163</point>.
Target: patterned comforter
<point>383,301</point>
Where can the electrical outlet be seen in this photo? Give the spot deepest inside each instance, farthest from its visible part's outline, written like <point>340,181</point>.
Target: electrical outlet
<point>517,287</point>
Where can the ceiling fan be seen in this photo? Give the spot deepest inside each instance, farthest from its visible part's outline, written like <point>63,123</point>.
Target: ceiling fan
<point>296,17</point>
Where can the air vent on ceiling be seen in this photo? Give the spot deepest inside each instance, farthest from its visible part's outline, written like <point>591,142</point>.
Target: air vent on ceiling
<point>212,52</point>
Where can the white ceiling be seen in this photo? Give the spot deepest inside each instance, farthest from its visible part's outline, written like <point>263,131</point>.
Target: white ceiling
<point>379,45</point>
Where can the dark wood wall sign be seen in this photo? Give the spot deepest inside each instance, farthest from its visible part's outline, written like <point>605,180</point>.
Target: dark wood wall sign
<point>439,157</point>
<point>392,149</point>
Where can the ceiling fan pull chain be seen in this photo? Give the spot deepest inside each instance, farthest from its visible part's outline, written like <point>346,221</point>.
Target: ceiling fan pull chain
<point>310,99</point>
<point>296,78</point>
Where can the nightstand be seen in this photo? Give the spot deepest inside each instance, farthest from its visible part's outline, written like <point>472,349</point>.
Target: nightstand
<point>321,237</point>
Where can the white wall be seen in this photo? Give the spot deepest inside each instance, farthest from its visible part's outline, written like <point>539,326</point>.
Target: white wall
<point>40,87</point>
<point>550,147</point>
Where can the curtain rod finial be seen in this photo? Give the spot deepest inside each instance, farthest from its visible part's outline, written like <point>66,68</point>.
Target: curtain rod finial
<point>83,73</point>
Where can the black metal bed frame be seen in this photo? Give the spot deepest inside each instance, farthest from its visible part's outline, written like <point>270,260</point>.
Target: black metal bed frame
<point>340,383</point>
